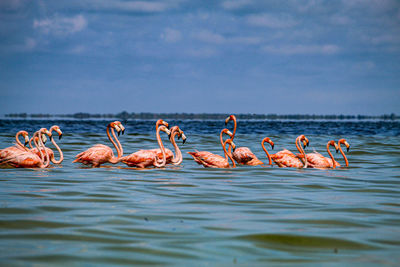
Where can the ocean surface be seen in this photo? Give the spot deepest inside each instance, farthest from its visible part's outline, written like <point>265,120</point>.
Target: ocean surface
<point>72,215</point>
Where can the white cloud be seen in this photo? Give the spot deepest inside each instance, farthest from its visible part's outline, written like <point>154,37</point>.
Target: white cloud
<point>59,25</point>
<point>271,21</point>
<point>302,49</point>
<point>30,44</point>
<point>171,35</point>
<point>140,6</point>
<point>209,37</point>
<point>205,52</point>
<point>235,4</point>
<point>249,40</point>
<point>128,6</point>
<point>340,20</point>
<point>79,49</point>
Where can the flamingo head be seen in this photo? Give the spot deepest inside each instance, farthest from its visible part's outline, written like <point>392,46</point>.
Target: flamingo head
<point>181,134</point>
<point>226,131</point>
<point>57,129</point>
<point>231,143</point>
<point>230,118</point>
<point>43,132</point>
<point>269,141</point>
<point>26,137</point>
<point>305,140</point>
<point>118,125</point>
<point>332,143</point>
<point>161,122</point>
<point>165,129</point>
<point>343,141</point>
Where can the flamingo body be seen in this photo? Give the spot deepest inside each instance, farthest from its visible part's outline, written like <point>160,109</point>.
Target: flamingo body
<point>316,160</point>
<point>169,155</point>
<point>96,155</point>
<point>209,160</point>
<point>23,160</point>
<point>244,156</point>
<point>141,158</point>
<point>285,158</point>
<point>10,152</point>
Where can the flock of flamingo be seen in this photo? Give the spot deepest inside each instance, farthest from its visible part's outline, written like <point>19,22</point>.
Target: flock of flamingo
<point>21,156</point>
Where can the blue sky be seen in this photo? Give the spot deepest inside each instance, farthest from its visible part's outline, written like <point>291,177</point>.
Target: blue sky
<point>243,56</point>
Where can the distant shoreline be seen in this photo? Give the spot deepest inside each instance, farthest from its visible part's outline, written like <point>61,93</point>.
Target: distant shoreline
<point>200,116</point>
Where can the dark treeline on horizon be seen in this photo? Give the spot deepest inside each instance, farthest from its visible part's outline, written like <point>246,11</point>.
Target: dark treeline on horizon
<point>203,116</point>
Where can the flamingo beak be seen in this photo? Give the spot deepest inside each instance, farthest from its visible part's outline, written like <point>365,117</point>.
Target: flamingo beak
<point>272,145</point>
<point>227,120</point>
<point>229,133</point>
<point>348,148</point>
<point>59,134</point>
<point>117,129</point>
<point>183,138</point>
<point>44,138</point>
<point>26,140</point>
<point>122,128</point>
<point>166,124</point>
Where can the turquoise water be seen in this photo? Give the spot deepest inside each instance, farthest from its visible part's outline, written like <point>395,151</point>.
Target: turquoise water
<point>74,215</point>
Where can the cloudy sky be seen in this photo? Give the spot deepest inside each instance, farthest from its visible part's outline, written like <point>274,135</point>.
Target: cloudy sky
<point>242,56</point>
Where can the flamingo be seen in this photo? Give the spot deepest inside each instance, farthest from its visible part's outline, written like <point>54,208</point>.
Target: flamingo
<point>27,159</point>
<point>268,140</point>
<point>178,155</point>
<point>49,151</point>
<point>99,154</point>
<point>146,158</point>
<point>285,158</point>
<point>208,159</point>
<point>242,155</point>
<point>316,160</point>
<point>8,152</point>
<point>168,153</point>
<point>343,141</point>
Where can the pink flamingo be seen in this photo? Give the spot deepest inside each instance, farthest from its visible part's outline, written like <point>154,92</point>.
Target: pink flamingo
<point>99,154</point>
<point>11,151</point>
<point>49,151</point>
<point>242,155</point>
<point>210,160</point>
<point>343,141</point>
<point>285,158</point>
<point>316,160</point>
<point>168,153</point>
<point>268,140</point>
<point>146,158</point>
<point>27,159</point>
<point>176,131</point>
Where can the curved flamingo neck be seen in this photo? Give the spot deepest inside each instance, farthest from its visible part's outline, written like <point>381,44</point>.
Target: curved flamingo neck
<point>30,141</point>
<point>266,152</point>
<point>19,142</point>
<point>234,127</point>
<point>44,158</point>
<point>113,159</point>
<point>177,159</point>
<point>301,150</point>
<point>222,144</point>
<point>330,154</point>
<point>121,150</point>
<point>228,154</point>
<point>234,132</point>
<point>344,156</point>
<point>58,149</point>
<point>161,145</point>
